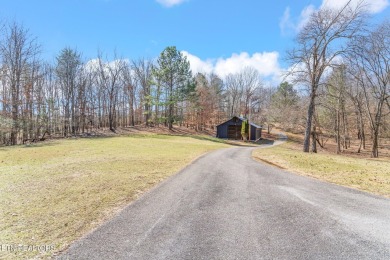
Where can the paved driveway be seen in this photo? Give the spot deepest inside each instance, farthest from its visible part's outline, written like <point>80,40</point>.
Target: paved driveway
<point>227,206</point>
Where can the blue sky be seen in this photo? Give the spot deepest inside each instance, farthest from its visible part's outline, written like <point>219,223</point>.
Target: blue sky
<point>217,36</point>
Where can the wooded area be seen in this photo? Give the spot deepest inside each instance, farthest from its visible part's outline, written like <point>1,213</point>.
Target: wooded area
<point>73,97</point>
<point>344,62</point>
<point>339,58</point>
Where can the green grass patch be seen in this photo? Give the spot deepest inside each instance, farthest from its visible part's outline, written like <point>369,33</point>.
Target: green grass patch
<point>54,192</point>
<point>364,174</point>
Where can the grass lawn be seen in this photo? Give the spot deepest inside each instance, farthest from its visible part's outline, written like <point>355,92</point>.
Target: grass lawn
<point>54,192</point>
<point>364,174</point>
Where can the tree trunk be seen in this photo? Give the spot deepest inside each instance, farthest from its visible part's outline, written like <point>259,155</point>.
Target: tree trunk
<point>170,116</point>
<point>375,144</point>
<point>131,109</point>
<point>314,136</point>
<point>147,114</point>
<point>111,119</point>
<point>338,133</point>
<point>15,123</point>
<point>375,137</point>
<point>157,105</point>
<point>345,127</point>
<point>310,113</point>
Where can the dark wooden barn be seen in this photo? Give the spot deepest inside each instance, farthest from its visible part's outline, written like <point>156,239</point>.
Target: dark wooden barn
<point>231,129</point>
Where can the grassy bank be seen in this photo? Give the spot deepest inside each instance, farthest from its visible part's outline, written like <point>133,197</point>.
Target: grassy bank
<point>364,174</point>
<point>54,192</point>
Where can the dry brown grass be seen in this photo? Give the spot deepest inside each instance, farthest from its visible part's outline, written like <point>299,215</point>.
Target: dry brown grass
<point>347,169</point>
<point>54,192</point>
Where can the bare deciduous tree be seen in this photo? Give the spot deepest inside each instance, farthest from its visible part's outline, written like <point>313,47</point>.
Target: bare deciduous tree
<point>143,72</point>
<point>370,54</point>
<point>67,69</point>
<point>109,79</point>
<point>319,43</point>
<point>17,50</point>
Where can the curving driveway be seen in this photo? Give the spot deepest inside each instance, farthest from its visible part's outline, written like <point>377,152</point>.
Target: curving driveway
<point>227,206</point>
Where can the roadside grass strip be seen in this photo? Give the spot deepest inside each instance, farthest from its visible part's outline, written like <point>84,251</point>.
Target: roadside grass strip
<point>371,175</point>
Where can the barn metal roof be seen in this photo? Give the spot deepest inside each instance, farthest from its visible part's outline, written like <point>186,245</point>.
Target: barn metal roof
<point>242,119</point>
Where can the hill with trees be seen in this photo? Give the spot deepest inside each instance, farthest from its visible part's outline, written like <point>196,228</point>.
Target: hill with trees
<point>337,88</point>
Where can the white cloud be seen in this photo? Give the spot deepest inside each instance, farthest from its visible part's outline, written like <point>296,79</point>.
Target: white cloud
<point>266,63</point>
<point>170,3</point>
<point>94,65</point>
<point>373,6</point>
<point>289,24</point>
<point>198,65</point>
<point>305,16</point>
<point>285,23</point>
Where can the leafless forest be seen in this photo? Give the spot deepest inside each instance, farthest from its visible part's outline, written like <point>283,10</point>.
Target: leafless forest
<point>337,88</point>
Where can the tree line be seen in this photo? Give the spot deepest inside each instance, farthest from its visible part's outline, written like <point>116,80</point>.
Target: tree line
<point>72,96</point>
<point>338,87</point>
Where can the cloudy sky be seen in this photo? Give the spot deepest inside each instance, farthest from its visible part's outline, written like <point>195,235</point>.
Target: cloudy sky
<point>220,36</point>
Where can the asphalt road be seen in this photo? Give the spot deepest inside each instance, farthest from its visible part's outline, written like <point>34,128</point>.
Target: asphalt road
<point>227,206</point>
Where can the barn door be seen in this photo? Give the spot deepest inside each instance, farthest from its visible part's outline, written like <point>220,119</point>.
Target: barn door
<point>234,132</point>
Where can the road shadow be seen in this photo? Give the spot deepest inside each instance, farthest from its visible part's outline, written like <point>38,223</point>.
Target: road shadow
<point>265,141</point>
